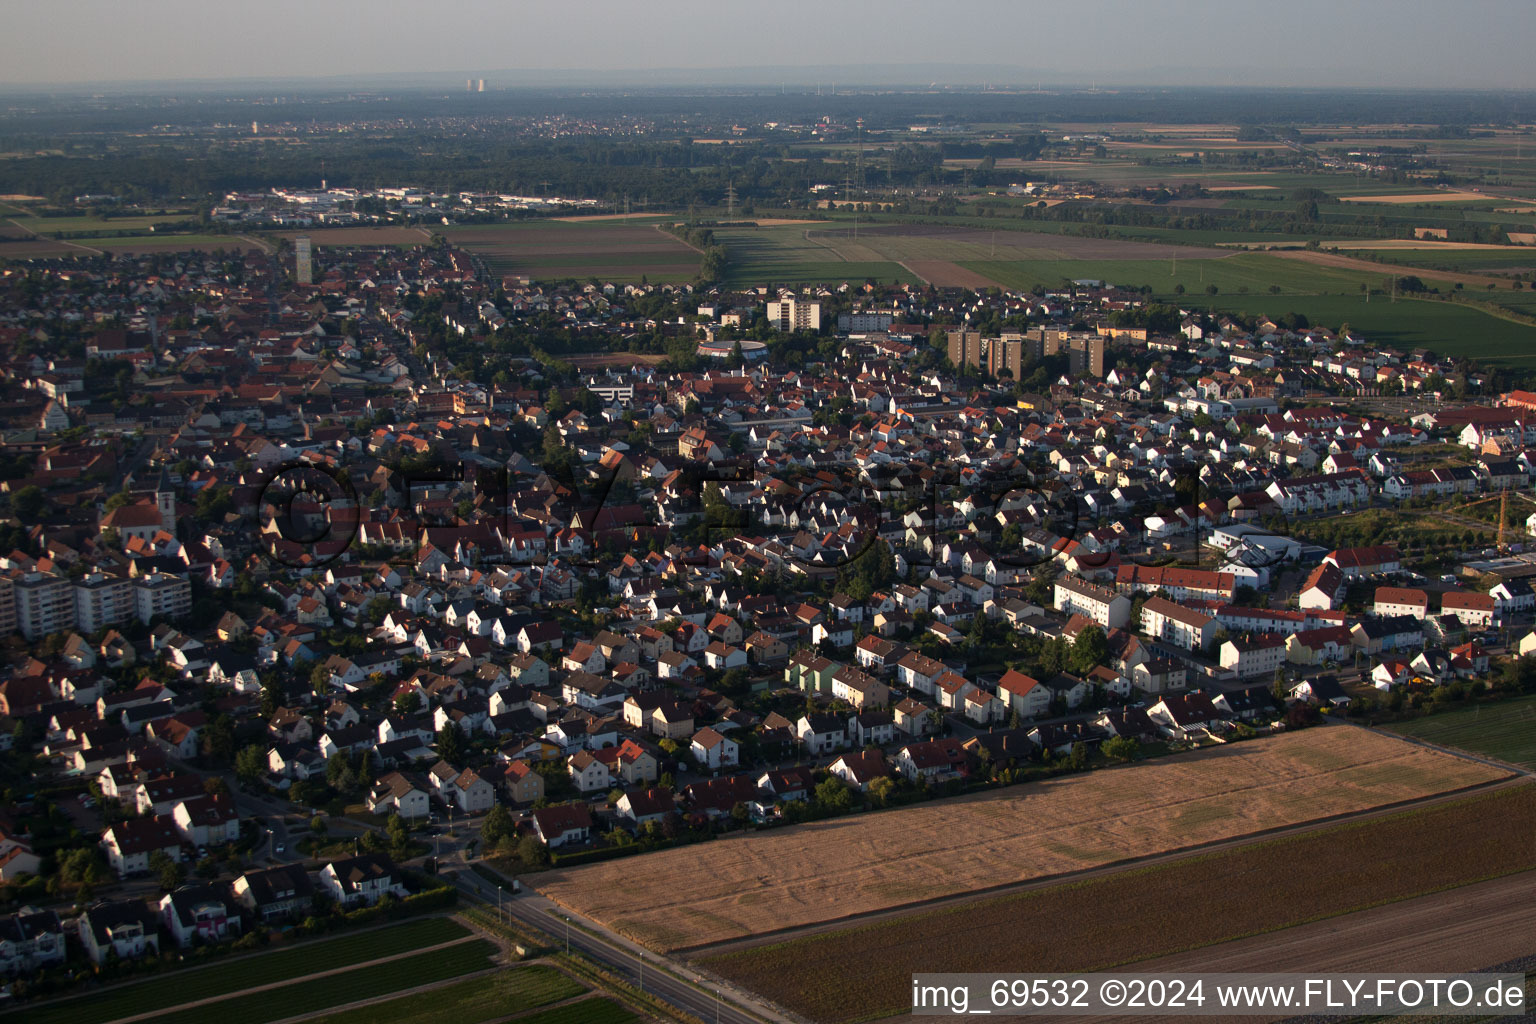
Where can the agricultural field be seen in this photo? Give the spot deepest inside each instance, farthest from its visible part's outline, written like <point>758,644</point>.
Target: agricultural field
<point>170,243</point>
<point>1505,730</point>
<point>381,235</point>
<point>487,997</point>
<point>1233,272</point>
<point>88,223</point>
<point>587,1011</point>
<point>933,242</point>
<point>865,971</point>
<point>37,248</point>
<point>1449,328</point>
<point>301,996</point>
<point>831,870</point>
<point>621,251</point>
<point>1505,260</point>
<point>792,254</point>
<point>242,972</point>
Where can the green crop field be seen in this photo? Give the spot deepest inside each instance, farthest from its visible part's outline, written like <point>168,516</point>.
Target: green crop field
<point>1505,730</point>
<point>1256,272</point>
<point>1451,328</point>
<point>587,1011</point>
<point>468,1002</point>
<point>339,989</point>
<point>243,972</point>
<point>782,254</point>
<point>1465,260</point>
<point>89,224</point>
<point>620,251</point>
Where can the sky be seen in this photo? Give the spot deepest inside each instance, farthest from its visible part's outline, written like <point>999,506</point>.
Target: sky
<point>1344,43</point>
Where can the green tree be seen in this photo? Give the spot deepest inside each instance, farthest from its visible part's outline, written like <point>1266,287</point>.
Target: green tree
<point>399,833</point>
<point>408,703</point>
<point>497,826</point>
<point>320,680</point>
<point>167,872</point>
<point>532,853</point>
<point>250,764</point>
<point>271,695</point>
<point>833,796</point>
<point>28,503</point>
<point>450,744</point>
<point>1089,650</point>
<point>881,790</point>
<point>1123,748</point>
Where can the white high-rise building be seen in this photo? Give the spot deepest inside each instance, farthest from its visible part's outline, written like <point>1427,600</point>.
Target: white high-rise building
<point>303,265</point>
<point>790,314</point>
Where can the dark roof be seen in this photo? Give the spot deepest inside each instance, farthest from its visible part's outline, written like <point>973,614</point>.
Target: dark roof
<point>274,885</point>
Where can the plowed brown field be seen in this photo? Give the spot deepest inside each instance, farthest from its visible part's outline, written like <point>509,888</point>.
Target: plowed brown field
<point>825,871</point>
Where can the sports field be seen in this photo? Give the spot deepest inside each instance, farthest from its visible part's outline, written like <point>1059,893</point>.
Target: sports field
<point>865,971</point>
<point>1505,730</point>
<point>825,871</point>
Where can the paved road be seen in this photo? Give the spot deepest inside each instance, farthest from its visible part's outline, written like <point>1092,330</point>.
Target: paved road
<point>722,1003</point>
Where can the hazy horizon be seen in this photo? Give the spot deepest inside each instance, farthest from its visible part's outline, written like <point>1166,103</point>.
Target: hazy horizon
<point>1480,44</point>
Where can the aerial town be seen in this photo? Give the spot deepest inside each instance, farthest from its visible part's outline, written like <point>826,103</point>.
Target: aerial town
<point>290,589</point>
<point>710,525</point>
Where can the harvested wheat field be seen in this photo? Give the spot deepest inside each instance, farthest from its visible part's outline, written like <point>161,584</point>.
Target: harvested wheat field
<point>748,884</point>
<point>1426,244</point>
<point>1448,196</point>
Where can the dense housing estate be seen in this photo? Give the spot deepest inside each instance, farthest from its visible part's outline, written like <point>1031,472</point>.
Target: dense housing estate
<point>252,513</point>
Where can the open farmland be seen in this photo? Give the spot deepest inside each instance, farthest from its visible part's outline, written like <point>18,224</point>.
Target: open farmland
<point>619,251</point>
<point>1450,328</point>
<point>794,254</point>
<point>937,242</point>
<point>308,995</point>
<point>836,869</point>
<point>34,248</point>
<point>863,972</point>
<point>943,255</point>
<point>382,235</point>
<point>171,243</point>
<point>1448,196</point>
<point>1256,272</point>
<point>237,973</point>
<point>487,997</point>
<point>1505,730</point>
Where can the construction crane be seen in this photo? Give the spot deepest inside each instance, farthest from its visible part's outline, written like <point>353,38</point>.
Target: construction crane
<point>1503,499</point>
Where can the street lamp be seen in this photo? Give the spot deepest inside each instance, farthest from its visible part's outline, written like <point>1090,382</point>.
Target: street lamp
<point>567,936</point>
<point>717,1006</point>
<point>498,905</point>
